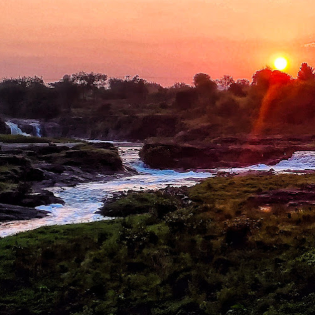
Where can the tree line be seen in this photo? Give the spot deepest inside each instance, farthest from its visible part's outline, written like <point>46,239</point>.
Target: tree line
<point>224,101</point>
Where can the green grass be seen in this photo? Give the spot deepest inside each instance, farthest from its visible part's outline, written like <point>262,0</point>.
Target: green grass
<point>22,139</point>
<point>210,256</point>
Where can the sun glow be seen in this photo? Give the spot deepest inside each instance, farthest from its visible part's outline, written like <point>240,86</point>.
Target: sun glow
<point>280,63</point>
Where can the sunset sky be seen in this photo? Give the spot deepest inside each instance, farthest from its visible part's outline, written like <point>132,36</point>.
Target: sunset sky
<point>165,41</point>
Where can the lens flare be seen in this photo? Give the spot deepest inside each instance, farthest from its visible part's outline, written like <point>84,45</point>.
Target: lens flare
<point>280,63</point>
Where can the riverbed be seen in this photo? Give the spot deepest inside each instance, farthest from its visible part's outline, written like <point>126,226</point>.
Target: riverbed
<point>83,201</point>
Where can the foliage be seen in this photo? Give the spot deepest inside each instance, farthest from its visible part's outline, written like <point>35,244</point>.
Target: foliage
<point>306,72</point>
<point>186,262</point>
<point>225,82</point>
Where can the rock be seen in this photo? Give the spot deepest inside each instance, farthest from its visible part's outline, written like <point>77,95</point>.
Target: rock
<point>223,152</point>
<point>105,145</point>
<point>14,212</point>
<point>14,160</point>
<point>27,128</point>
<point>29,199</point>
<point>4,129</point>
<point>51,129</point>
<point>34,174</point>
<point>44,197</point>
<point>75,127</point>
<point>97,160</point>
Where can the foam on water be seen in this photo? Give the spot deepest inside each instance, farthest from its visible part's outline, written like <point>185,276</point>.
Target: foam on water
<point>83,200</point>
<point>15,130</point>
<point>37,128</point>
<point>299,161</point>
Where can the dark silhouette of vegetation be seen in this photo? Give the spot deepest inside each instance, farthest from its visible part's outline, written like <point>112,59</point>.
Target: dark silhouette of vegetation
<point>225,82</point>
<point>306,73</point>
<point>278,102</point>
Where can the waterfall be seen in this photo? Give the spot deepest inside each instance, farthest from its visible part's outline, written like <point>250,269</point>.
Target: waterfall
<point>15,130</point>
<point>33,127</point>
<point>37,129</point>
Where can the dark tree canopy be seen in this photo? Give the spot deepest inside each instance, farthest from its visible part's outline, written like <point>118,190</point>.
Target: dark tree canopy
<point>89,80</point>
<point>266,77</point>
<point>225,82</point>
<point>237,89</point>
<point>306,72</point>
<point>203,83</point>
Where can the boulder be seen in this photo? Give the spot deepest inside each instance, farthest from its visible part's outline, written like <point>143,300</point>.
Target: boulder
<point>29,199</point>
<point>13,212</point>
<point>51,129</point>
<point>4,129</point>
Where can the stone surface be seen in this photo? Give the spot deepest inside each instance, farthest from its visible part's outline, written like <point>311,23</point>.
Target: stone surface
<point>13,212</point>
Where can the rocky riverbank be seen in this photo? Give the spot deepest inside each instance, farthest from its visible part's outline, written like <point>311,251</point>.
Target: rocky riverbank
<point>28,168</point>
<point>222,152</point>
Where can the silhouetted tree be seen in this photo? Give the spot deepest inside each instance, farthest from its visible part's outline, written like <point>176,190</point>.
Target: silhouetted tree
<point>243,82</point>
<point>306,72</point>
<point>203,83</point>
<point>279,77</point>
<point>237,89</point>
<point>88,81</point>
<point>180,86</point>
<point>266,77</point>
<point>186,99</point>
<point>41,102</point>
<point>134,88</point>
<point>225,82</point>
<point>14,94</point>
<point>11,95</point>
<point>261,78</point>
<point>67,92</point>
<point>118,88</point>
<point>201,80</point>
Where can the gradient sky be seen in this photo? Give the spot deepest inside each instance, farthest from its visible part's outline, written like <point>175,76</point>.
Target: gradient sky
<point>165,41</point>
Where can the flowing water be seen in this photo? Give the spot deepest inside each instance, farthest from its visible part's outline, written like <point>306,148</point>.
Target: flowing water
<point>83,200</point>
<point>15,130</point>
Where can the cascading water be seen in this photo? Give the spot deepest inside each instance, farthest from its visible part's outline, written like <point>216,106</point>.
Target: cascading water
<point>83,200</point>
<point>15,130</point>
<point>36,129</point>
<point>299,161</point>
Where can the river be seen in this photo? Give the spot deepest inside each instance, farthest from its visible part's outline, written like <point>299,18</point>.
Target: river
<point>83,201</point>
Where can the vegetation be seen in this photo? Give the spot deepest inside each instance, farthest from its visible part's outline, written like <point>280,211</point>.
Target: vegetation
<point>132,108</point>
<point>213,252</point>
<point>22,139</point>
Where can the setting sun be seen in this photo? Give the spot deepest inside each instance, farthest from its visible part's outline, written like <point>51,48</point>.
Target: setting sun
<point>280,63</point>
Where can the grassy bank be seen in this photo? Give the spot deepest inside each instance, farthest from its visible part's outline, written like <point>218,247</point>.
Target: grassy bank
<point>216,248</point>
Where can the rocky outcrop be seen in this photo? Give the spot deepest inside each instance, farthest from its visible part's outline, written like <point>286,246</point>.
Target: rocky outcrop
<point>29,199</point>
<point>3,127</point>
<point>13,212</point>
<point>51,129</point>
<point>28,168</point>
<point>225,152</point>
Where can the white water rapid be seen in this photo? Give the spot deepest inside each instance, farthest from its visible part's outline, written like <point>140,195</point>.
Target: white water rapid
<point>37,130</point>
<point>83,200</point>
<point>15,130</point>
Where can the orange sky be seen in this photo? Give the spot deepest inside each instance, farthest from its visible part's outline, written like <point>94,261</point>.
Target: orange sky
<point>165,41</point>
